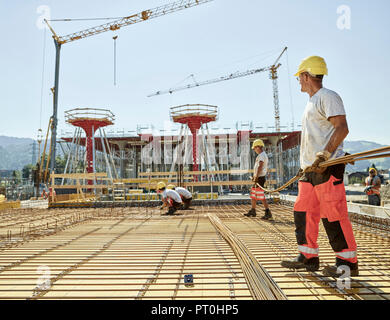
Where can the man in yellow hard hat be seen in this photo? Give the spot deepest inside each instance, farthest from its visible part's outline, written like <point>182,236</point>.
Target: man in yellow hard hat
<point>259,173</point>
<point>321,192</point>
<point>170,198</point>
<point>185,195</point>
<point>372,189</point>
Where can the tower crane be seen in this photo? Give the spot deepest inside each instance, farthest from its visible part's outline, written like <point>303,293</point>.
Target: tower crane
<point>112,26</point>
<point>273,73</point>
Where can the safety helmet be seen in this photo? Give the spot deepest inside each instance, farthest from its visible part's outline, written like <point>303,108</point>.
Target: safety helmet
<point>161,185</point>
<point>314,65</point>
<point>257,142</point>
<point>373,169</point>
<point>170,186</point>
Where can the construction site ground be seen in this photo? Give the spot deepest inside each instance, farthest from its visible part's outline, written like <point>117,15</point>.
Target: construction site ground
<point>138,253</point>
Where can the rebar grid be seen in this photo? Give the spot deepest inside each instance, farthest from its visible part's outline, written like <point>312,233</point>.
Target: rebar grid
<point>137,253</point>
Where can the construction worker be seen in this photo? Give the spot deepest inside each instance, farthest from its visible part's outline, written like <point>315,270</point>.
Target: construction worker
<point>259,172</point>
<point>185,195</point>
<point>321,192</point>
<point>170,198</point>
<point>373,184</point>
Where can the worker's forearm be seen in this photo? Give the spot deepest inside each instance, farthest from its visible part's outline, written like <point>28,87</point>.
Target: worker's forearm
<point>337,138</point>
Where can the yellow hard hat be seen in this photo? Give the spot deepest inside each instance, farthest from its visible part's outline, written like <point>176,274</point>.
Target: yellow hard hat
<point>313,64</point>
<point>161,185</point>
<point>170,186</point>
<point>257,142</point>
<point>373,169</point>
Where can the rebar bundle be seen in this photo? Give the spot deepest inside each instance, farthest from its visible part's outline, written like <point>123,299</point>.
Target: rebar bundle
<point>260,283</point>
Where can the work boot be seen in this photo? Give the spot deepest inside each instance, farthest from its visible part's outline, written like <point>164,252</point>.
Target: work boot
<point>251,213</point>
<point>171,210</point>
<point>267,215</point>
<point>331,271</point>
<point>301,262</point>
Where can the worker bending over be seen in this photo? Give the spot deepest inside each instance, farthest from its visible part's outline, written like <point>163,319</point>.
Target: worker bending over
<point>170,198</point>
<point>321,192</point>
<point>373,184</point>
<point>259,172</point>
<point>185,195</point>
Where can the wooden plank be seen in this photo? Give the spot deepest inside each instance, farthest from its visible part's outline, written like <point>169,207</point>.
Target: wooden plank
<point>76,176</point>
<point>83,186</point>
<point>212,183</point>
<point>224,183</point>
<point>235,171</point>
<point>232,171</point>
<point>145,180</point>
<point>9,205</point>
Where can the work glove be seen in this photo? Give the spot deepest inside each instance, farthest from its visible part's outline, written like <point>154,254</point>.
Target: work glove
<point>366,189</point>
<point>254,179</point>
<point>320,157</point>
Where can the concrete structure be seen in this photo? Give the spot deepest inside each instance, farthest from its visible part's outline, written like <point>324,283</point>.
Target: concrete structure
<point>138,151</point>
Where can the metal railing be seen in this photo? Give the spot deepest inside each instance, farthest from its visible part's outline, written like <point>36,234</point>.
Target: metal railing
<point>194,109</point>
<point>89,113</point>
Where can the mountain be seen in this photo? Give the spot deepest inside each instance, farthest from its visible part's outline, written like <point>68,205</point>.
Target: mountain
<point>15,153</point>
<point>360,146</point>
<point>10,141</point>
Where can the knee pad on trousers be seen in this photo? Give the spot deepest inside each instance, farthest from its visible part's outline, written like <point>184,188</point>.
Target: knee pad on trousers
<point>335,234</point>
<point>300,227</point>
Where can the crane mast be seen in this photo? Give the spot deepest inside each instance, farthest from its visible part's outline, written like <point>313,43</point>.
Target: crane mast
<point>112,26</point>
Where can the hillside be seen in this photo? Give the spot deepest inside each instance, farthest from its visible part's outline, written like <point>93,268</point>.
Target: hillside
<point>15,153</point>
<point>359,146</point>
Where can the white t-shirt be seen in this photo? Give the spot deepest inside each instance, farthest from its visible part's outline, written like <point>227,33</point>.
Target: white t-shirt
<point>261,157</point>
<point>316,128</point>
<point>168,193</point>
<point>183,192</point>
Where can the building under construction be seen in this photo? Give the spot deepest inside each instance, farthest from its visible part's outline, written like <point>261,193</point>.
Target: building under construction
<point>100,233</point>
<point>226,149</point>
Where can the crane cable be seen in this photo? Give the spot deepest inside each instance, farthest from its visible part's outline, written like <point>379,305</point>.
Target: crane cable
<point>84,19</point>
<point>289,89</point>
<point>114,38</point>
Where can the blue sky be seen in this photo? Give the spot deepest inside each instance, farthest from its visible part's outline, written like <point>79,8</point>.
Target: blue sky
<point>211,40</point>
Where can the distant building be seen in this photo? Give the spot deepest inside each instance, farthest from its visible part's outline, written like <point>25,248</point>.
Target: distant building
<point>6,173</point>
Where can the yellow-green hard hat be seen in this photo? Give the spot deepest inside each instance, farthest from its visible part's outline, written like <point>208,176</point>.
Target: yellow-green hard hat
<point>170,186</point>
<point>257,142</point>
<point>161,185</point>
<point>313,64</point>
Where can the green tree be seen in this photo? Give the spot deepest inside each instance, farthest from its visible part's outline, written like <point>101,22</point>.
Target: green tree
<point>17,176</point>
<point>60,165</point>
<point>27,171</point>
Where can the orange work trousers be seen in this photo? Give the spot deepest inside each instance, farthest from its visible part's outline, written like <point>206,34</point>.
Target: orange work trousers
<point>322,196</point>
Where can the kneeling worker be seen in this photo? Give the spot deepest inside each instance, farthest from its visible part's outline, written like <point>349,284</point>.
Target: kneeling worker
<point>259,172</point>
<point>170,198</point>
<point>185,195</point>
